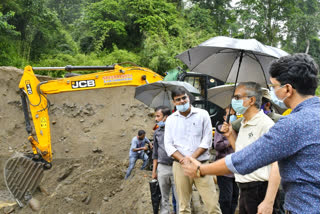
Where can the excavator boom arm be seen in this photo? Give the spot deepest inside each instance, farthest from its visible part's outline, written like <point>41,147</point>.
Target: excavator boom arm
<point>35,94</point>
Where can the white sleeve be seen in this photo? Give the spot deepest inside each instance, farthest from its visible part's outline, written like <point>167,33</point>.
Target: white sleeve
<point>206,141</point>
<point>168,138</point>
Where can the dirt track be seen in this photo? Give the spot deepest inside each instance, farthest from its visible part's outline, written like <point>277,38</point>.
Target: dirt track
<point>91,134</point>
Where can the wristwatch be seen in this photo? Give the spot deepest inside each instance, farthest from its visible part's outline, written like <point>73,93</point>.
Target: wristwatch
<point>198,171</point>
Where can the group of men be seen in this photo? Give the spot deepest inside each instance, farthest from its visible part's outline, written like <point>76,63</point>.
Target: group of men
<point>255,149</point>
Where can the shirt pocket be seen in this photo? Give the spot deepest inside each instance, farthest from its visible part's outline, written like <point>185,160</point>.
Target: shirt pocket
<point>196,128</point>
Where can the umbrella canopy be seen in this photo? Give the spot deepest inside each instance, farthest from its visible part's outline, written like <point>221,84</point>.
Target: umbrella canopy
<point>222,95</point>
<point>159,93</point>
<point>226,58</point>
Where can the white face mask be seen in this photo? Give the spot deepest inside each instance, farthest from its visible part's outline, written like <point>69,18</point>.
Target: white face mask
<point>276,100</point>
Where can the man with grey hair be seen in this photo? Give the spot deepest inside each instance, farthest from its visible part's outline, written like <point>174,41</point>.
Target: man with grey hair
<point>258,189</point>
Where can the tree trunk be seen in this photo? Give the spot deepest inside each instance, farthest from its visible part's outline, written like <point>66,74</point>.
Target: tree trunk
<point>308,45</point>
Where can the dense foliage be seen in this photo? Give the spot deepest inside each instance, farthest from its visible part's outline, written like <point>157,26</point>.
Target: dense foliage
<point>147,32</point>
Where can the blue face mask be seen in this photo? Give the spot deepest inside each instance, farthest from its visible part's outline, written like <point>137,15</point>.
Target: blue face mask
<point>161,123</point>
<point>237,105</point>
<point>233,118</point>
<point>276,100</point>
<point>183,108</point>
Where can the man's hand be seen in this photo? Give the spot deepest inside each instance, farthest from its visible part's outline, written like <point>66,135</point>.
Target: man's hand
<point>184,160</point>
<point>154,175</point>
<point>226,128</point>
<point>265,207</point>
<point>145,148</point>
<point>190,167</point>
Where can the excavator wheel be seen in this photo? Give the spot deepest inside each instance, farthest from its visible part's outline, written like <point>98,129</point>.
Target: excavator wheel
<point>22,176</point>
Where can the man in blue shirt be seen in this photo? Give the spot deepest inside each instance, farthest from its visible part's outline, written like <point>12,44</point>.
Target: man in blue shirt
<point>138,146</point>
<point>294,141</point>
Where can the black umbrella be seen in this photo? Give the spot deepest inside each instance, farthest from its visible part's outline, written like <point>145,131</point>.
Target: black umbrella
<point>231,60</point>
<point>155,195</point>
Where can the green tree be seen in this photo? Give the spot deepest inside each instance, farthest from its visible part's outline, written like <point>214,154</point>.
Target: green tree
<point>262,20</point>
<point>221,13</point>
<point>303,26</point>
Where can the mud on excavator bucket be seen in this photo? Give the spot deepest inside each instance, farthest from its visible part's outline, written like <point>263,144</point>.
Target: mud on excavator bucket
<point>22,176</point>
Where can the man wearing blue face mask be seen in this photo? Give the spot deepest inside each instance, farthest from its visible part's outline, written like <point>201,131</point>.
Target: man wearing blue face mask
<point>267,108</point>
<point>247,101</point>
<point>162,163</point>
<point>189,133</point>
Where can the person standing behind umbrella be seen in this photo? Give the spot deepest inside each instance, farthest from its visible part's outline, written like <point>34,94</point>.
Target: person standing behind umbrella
<point>189,132</point>
<point>229,191</point>
<point>162,163</point>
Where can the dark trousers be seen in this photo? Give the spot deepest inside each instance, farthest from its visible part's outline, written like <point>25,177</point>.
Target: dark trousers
<point>279,203</point>
<point>229,193</point>
<point>251,195</point>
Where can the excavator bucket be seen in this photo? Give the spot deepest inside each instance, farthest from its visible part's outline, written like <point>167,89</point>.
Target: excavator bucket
<point>22,176</point>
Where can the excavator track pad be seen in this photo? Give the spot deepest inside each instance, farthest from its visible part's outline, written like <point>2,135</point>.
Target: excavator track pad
<point>22,176</point>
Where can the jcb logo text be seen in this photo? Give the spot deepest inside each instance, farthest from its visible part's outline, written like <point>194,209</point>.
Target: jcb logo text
<point>83,84</point>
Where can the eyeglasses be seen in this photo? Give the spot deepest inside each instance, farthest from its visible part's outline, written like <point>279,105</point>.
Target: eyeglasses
<point>180,98</point>
<point>274,85</point>
<point>238,97</point>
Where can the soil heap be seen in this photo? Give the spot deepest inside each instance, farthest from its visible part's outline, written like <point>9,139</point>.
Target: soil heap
<point>91,133</point>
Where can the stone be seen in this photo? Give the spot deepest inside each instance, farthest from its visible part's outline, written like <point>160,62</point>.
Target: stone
<point>87,200</point>
<point>8,210</point>
<point>68,199</point>
<point>97,150</point>
<point>65,174</point>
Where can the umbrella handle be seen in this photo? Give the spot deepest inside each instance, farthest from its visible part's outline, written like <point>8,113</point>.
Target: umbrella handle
<point>217,127</point>
<point>220,123</point>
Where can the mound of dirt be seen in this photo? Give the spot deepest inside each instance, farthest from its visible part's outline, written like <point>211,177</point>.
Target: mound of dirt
<point>91,134</point>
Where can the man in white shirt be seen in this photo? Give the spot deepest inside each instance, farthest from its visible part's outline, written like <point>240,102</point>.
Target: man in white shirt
<point>258,189</point>
<point>189,133</point>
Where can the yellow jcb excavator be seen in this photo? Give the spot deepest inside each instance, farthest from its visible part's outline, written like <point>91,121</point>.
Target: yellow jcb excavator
<point>23,172</point>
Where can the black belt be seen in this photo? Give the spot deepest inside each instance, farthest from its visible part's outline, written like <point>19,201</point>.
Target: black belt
<point>250,185</point>
<point>168,164</point>
<point>204,161</point>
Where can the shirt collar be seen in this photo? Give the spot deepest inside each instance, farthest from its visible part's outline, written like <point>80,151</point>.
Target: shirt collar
<point>193,111</point>
<point>254,120</point>
<point>308,102</point>
<point>271,114</point>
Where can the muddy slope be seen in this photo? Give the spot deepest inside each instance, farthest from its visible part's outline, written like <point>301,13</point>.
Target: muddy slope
<point>91,133</point>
